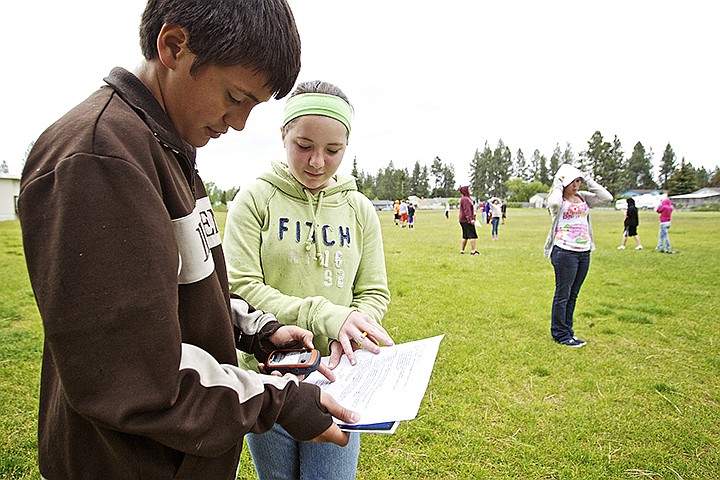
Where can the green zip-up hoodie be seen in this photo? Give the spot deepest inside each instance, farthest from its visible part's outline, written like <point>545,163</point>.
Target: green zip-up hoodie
<point>309,259</point>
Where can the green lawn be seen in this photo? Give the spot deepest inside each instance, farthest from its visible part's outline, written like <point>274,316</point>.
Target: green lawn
<point>642,400</point>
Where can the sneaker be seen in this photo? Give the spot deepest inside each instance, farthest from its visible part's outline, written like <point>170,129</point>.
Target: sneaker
<point>474,252</point>
<point>573,342</point>
<point>462,252</point>
<point>639,247</point>
<point>621,247</point>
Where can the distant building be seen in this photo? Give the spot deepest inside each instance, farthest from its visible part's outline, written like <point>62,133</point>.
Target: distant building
<point>430,203</point>
<point>635,192</point>
<point>9,191</point>
<point>539,200</point>
<point>649,201</point>
<point>699,197</point>
<point>382,205</point>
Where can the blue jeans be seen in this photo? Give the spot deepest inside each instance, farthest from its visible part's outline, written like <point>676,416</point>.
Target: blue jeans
<point>278,456</point>
<point>663,237</point>
<point>571,268</point>
<point>495,222</point>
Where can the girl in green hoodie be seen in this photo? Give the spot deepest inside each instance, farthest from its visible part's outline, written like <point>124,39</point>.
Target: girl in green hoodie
<point>302,243</point>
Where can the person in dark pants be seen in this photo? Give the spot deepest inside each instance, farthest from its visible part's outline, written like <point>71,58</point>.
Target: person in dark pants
<point>467,221</point>
<point>631,223</point>
<point>569,243</point>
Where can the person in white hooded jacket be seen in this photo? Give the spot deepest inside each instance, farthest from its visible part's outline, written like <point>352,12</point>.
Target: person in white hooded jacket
<point>569,243</point>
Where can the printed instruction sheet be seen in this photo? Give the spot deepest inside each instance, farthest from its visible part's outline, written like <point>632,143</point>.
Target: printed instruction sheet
<point>384,387</point>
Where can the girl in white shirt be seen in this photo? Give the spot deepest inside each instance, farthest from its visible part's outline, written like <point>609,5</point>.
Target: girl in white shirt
<point>568,245</point>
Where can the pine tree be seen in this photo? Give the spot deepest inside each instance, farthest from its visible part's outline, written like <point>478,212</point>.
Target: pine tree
<point>419,181</point>
<point>667,166</point>
<point>357,175</point>
<point>615,167</point>
<point>403,183</point>
<point>480,172</point>
<point>534,166</point>
<point>500,169</point>
<point>555,159</point>
<point>475,172</point>
<point>539,168</point>
<point>702,177</point>
<point>387,186</point>
<point>424,183</point>
<point>444,179</point>
<point>436,170</point>
<point>449,180</point>
<point>715,178</point>
<point>639,168</point>
<point>521,168</point>
<point>606,162</point>
<point>568,156</point>
<point>683,180</point>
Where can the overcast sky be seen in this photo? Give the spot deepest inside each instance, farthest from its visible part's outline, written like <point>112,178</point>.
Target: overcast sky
<point>426,78</point>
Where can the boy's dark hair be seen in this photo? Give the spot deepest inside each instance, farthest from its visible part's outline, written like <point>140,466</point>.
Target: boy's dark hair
<point>257,34</point>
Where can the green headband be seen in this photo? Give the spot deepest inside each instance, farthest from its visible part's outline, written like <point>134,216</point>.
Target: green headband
<point>318,104</point>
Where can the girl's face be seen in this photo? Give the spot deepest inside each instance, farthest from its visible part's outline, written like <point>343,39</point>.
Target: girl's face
<point>573,187</point>
<point>315,147</point>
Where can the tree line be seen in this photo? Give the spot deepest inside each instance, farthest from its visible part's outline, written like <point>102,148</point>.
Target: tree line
<point>397,183</point>
<point>497,172</point>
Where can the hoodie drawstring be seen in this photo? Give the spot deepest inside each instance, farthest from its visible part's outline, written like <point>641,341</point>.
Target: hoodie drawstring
<point>313,231</point>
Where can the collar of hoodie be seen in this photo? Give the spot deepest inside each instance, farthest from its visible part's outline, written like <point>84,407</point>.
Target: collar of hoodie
<point>314,212</point>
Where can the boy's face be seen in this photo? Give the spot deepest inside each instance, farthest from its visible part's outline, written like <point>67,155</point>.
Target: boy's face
<point>212,102</point>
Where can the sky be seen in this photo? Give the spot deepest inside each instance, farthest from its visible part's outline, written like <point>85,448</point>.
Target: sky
<point>426,79</point>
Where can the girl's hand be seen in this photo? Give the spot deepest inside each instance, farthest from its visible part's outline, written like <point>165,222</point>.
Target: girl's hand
<point>358,331</point>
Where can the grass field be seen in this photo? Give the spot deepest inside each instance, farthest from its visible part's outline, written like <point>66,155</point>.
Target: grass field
<point>641,400</point>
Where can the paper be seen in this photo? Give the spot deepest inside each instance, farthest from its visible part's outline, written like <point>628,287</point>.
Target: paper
<point>384,387</point>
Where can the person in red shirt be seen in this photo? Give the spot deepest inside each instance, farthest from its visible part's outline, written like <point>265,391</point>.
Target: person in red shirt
<point>467,221</point>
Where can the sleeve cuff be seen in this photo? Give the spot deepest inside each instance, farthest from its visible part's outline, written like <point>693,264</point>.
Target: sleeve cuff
<point>332,318</point>
<point>259,344</point>
<point>304,417</point>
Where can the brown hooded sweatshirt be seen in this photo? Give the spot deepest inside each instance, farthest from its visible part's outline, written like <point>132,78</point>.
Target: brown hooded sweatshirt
<point>139,376</point>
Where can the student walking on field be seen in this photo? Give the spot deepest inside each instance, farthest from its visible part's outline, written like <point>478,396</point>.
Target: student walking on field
<point>631,223</point>
<point>496,210</point>
<point>665,210</point>
<point>411,216</point>
<point>467,221</point>
<point>569,243</point>
<point>403,213</point>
